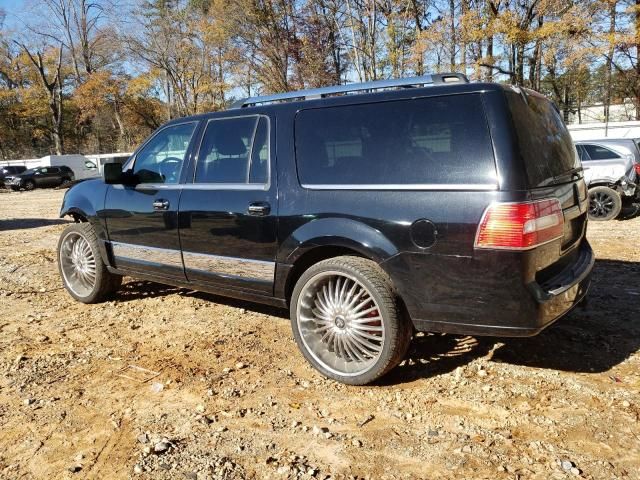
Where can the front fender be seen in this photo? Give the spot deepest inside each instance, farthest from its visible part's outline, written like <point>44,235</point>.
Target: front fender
<point>83,201</point>
<point>337,232</point>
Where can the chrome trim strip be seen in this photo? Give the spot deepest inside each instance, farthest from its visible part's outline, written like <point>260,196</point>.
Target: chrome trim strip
<point>262,187</point>
<point>146,255</point>
<point>230,266</point>
<point>257,187</point>
<point>408,186</point>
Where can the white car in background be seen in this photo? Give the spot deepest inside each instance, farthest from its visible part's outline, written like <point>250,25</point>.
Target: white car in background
<point>611,171</point>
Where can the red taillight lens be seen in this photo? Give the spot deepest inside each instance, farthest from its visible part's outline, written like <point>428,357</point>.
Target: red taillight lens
<point>520,226</point>
<point>637,167</point>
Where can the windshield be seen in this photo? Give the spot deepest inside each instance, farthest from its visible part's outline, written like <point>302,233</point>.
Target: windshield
<point>31,170</point>
<point>545,144</point>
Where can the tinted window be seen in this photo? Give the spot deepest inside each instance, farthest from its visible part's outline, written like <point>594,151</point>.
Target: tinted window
<point>441,140</point>
<point>259,171</point>
<point>582,153</point>
<point>161,159</point>
<point>545,144</point>
<point>234,150</point>
<point>596,152</point>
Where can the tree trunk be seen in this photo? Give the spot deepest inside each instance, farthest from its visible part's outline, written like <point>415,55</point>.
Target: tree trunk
<point>612,29</point>
<point>452,40</point>
<point>463,43</point>
<point>637,32</point>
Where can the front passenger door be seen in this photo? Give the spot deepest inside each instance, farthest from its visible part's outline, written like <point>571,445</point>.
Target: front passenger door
<point>142,219</point>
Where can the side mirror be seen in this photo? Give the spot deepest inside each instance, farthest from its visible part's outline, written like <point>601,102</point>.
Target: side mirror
<point>113,175</point>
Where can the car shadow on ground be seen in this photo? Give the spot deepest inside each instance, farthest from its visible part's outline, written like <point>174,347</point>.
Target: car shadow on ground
<point>24,223</point>
<point>138,289</point>
<point>591,339</point>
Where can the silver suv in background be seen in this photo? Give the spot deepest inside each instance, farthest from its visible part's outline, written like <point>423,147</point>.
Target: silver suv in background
<point>611,171</point>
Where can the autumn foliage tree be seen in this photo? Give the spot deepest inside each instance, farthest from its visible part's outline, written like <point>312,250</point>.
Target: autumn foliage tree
<point>100,75</point>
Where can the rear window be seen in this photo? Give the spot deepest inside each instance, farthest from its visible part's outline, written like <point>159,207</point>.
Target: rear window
<point>443,140</point>
<point>544,141</point>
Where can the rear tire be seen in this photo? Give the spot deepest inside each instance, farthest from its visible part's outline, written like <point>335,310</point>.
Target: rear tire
<point>65,183</point>
<point>84,274</point>
<point>347,321</point>
<point>604,204</point>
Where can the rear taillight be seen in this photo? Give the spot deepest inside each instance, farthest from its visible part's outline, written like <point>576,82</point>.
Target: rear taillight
<point>520,226</point>
<point>636,166</point>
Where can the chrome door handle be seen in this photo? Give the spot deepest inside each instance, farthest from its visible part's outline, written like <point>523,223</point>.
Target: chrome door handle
<point>259,209</point>
<point>161,204</point>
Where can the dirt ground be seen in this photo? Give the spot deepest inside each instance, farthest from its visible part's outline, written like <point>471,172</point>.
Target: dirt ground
<point>170,383</point>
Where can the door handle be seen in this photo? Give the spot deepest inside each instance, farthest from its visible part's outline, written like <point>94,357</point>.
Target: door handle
<point>161,204</point>
<point>259,209</point>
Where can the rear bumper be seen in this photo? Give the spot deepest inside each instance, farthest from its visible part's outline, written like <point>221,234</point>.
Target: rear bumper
<point>518,310</point>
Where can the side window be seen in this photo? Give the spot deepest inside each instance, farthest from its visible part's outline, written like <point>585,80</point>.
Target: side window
<point>234,150</point>
<point>443,140</point>
<point>259,170</point>
<point>162,158</point>
<point>582,153</point>
<point>596,152</point>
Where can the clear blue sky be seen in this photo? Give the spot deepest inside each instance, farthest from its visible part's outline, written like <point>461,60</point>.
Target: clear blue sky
<point>12,9</point>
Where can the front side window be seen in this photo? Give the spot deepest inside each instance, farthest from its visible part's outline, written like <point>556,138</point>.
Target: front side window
<point>596,152</point>
<point>162,158</point>
<point>234,151</point>
<point>443,140</point>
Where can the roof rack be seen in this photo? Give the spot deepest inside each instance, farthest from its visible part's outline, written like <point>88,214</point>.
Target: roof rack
<point>317,93</point>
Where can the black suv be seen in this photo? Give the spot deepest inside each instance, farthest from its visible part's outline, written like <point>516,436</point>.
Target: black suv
<point>41,177</point>
<point>369,210</point>
<point>10,171</point>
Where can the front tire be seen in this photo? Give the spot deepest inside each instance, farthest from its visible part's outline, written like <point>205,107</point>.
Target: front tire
<point>604,204</point>
<point>29,185</point>
<point>347,321</point>
<point>84,274</point>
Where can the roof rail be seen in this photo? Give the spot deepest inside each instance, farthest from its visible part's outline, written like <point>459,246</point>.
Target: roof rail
<point>317,93</point>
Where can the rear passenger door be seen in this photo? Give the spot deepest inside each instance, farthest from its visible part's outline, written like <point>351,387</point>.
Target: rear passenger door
<point>44,177</point>
<point>227,213</point>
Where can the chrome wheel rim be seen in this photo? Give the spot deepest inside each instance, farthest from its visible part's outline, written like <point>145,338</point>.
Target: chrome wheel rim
<point>600,204</point>
<point>340,323</point>
<point>78,264</point>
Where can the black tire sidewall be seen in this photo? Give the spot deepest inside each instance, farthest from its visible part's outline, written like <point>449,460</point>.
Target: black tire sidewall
<point>617,199</point>
<point>391,319</point>
<point>104,284</point>
<point>29,185</point>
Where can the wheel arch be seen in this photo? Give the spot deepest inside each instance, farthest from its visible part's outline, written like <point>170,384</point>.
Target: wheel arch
<point>602,182</point>
<point>82,202</point>
<point>327,238</point>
